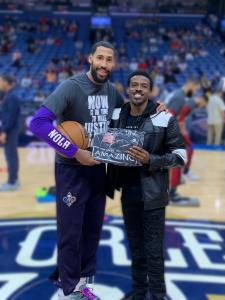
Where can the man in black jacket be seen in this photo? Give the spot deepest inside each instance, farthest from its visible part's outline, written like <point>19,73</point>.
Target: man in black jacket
<point>10,119</point>
<point>145,189</point>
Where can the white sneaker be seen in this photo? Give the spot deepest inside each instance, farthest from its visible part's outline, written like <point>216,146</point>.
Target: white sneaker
<point>183,179</point>
<point>73,296</point>
<point>6,187</point>
<point>84,294</point>
<point>191,176</point>
<point>61,295</point>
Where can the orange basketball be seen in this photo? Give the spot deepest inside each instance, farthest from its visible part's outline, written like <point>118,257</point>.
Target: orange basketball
<point>75,132</point>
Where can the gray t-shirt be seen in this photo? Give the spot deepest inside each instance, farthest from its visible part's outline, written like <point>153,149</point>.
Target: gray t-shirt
<point>177,100</point>
<point>79,99</point>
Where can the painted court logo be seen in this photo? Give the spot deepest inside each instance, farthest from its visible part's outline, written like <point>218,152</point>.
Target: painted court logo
<point>194,260</point>
<point>69,199</point>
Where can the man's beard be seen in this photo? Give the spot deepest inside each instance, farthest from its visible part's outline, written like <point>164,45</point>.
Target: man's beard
<point>96,78</point>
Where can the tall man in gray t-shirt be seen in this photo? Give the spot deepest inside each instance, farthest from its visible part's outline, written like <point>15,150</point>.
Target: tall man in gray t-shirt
<point>80,180</point>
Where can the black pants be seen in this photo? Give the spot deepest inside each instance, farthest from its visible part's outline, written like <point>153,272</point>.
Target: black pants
<point>11,155</point>
<point>80,206</point>
<point>145,232</point>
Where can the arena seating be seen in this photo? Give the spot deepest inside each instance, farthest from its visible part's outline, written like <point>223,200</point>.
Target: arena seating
<point>36,63</point>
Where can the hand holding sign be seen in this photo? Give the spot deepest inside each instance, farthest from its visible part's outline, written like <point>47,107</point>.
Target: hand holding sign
<point>113,146</point>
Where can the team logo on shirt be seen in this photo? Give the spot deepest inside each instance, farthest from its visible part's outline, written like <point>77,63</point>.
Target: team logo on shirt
<point>69,199</point>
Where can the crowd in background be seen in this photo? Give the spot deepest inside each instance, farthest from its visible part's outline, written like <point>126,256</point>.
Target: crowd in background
<point>183,45</point>
<point>164,6</point>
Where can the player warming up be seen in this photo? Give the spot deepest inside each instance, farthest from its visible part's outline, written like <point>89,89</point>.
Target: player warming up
<point>180,103</point>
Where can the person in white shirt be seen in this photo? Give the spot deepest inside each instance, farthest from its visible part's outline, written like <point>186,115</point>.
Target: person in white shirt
<point>216,118</point>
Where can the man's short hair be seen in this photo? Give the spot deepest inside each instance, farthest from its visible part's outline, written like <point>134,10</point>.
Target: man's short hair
<point>9,79</point>
<point>140,73</point>
<point>102,44</point>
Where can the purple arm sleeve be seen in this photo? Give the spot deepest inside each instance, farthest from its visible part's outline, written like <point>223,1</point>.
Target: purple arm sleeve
<point>41,126</point>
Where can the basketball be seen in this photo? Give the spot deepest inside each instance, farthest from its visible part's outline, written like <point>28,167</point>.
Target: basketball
<point>75,132</point>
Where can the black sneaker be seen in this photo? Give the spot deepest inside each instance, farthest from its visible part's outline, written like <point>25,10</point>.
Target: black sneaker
<point>159,298</point>
<point>128,296</point>
<point>173,194</point>
<point>134,296</point>
<point>184,201</point>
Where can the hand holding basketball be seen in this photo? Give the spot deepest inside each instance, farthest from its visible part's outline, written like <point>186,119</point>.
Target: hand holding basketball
<point>75,132</point>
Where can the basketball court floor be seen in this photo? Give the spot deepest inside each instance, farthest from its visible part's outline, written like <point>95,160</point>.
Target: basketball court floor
<point>195,236</point>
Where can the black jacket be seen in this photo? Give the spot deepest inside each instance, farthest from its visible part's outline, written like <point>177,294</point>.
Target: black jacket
<point>165,145</point>
<point>10,112</point>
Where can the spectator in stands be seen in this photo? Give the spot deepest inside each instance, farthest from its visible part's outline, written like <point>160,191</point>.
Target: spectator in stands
<point>79,44</point>
<point>159,78</point>
<point>39,97</point>
<point>175,44</point>
<point>216,118</point>
<point>32,46</point>
<point>122,50</point>
<point>5,46</point>
<point>58,41</point>
<point>133,65</point>
<point>182,66</point>
<point>37,82</point>
<point>169,75</point>
<point>73,29</point>
<point>10,132</point>
<point>189,56</point>
<point>62,75</point>
<point>26,81</point>
<point>120,88</point>
<point>16,58</point>
<point>50,76</point>
<point>205,83</point>
<point>123,64</point>
<point>222,51</point>
<point>142,64</point>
